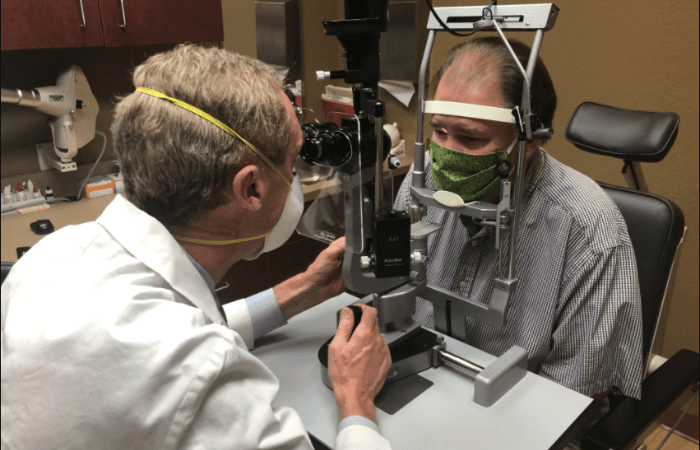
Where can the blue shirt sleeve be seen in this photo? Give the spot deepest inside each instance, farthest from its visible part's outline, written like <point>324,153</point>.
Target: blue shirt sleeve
<point>265,313</point>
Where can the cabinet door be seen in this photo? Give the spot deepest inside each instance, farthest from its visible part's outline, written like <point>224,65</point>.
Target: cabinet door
<point>51,24</point>
<point>137,22</point>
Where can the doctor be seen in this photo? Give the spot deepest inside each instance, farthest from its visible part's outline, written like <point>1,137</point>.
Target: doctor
<point>112,334</point>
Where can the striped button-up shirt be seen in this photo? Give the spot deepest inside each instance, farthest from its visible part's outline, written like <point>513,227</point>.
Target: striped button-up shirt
<point>576,308</point>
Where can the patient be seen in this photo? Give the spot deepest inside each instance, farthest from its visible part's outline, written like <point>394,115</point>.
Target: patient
<point>576,308</point>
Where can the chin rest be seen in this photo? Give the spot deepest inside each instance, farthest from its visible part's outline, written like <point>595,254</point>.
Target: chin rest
<point>622,133</point>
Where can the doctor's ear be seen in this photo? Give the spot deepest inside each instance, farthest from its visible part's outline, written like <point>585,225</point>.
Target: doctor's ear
<point>246,187</point>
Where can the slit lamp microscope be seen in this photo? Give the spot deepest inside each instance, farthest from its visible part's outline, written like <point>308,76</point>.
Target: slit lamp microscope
<point>385,254</point>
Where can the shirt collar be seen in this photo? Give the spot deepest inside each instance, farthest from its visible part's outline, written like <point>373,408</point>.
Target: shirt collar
<point>207,279</point>
<point>535,169</point>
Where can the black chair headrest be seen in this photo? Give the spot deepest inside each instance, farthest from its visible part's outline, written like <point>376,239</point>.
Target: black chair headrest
<point>631,135</point>
<point>6,267</point>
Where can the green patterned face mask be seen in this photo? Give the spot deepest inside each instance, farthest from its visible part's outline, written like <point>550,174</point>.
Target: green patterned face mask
<point>469,176</point>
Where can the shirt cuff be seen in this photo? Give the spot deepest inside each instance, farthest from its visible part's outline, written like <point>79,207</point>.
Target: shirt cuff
<point>357,420</point>
<point>265,313</point>
<point>239,321</point>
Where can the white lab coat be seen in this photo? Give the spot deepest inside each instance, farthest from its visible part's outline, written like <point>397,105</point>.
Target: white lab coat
<point>112,340</point>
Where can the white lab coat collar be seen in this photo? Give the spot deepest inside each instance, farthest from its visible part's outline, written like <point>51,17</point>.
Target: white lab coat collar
<point>149,241</point>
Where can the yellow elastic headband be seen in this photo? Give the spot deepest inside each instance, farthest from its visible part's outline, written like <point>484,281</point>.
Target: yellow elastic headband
<point>219,124</point>
<point>229,242</point>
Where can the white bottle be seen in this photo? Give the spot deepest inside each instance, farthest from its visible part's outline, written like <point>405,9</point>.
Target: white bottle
<point>393,132</point>
<point>7,194</point>
<point>20,192</point>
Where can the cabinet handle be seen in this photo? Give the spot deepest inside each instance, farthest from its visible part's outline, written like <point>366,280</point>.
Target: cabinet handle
<point>123,15</point>
<point>82,11</point>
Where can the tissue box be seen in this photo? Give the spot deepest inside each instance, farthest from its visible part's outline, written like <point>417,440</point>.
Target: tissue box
<point>99,186</point>
<point>336,111</point>
<point>337,103</point>
<point>117,181</point>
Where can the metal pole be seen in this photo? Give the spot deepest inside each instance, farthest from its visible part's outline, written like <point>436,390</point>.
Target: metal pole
<point>379,167</point>
<point>418,179</point>
<point>536,44</point>
<point>468,368</point>
<point>21,97</point>
<point>518,187</point>
<point>515,57</point>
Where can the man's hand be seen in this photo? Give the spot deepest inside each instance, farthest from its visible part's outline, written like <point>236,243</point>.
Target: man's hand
<point>326,272</point>
<point>321,281</point>
<point>358,364</point>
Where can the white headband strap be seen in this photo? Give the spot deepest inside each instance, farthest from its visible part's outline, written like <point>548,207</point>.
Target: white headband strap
<point>469,110</point>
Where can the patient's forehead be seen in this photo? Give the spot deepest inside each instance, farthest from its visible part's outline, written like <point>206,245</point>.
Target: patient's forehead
<point>472,78</point>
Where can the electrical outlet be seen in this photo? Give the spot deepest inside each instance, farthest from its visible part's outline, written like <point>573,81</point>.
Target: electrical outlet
<point>49,160</point>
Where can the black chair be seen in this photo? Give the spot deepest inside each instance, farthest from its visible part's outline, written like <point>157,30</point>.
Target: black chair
<point>6,267</point>
<point>656,227</point>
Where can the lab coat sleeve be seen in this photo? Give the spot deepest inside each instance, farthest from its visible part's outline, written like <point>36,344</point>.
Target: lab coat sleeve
<point>239,320</point>
<point>229,405</point>
<point>359,437</point>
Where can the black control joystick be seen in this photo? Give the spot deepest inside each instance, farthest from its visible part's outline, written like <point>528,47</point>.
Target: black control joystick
<point>357,312</point>
<point>323,351</point>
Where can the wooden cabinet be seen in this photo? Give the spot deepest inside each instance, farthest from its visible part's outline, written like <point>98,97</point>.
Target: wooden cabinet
<point>161,22</point>
<point>52,24</point>
<point>28,24</point>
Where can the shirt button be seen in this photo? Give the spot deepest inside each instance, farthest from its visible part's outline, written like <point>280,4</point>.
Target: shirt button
<point>462,284</point>
<point>474,243</point>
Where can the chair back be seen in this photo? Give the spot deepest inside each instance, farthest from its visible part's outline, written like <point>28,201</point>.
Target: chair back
<point>656,226</point>
<point>6,267</point>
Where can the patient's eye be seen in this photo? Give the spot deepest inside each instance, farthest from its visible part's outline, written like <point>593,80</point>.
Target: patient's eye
<point>468,138</point>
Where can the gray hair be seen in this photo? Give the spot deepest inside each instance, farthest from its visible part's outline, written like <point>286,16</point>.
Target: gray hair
<point>176,165</point>
<point>495,57</point>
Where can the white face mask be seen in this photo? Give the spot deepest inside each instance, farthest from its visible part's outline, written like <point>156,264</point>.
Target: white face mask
<point>282,231</point>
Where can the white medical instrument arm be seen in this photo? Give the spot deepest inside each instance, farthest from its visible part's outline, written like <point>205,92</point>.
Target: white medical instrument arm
<point>71,103</point>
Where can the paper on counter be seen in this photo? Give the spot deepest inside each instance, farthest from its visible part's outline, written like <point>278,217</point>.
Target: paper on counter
<point>402,90</point>
<point>281,71</point>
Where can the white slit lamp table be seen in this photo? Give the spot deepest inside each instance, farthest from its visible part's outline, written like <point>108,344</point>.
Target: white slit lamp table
<point>532,415</point>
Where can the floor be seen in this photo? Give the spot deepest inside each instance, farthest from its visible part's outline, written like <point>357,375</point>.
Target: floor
<point>675,442</point>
